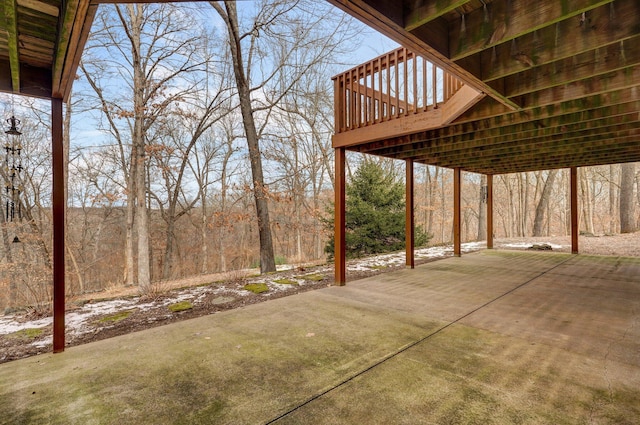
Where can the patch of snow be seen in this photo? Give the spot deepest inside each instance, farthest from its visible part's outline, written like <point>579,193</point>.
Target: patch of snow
<point>9,324</point>
<point>529,244</point>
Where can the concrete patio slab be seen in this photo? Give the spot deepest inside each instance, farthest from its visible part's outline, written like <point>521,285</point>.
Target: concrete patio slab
<point>493,337</point>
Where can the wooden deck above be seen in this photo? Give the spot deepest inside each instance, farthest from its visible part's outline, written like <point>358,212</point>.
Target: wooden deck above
<point>396,94</point>
<point>562,83</point>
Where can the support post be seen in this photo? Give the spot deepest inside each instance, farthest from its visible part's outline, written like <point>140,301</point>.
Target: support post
<point>573,194</point>
<point>340,254</point>
<point>58,202</point>
<point>457,183</point>
<point>489,211</point>
<point>409,233</point>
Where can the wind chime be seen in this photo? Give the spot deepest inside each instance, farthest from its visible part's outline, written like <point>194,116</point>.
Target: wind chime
<point>13,168</point>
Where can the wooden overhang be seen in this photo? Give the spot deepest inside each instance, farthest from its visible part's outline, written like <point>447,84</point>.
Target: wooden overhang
<point>561,79</point>
<point>41,42</point>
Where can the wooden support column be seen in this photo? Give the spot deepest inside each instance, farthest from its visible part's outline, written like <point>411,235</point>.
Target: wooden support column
<point>457,182</point>
<point>58,202</point>
<point>573,194</point>
<point>489,211</point>
<point>340,254</point>
<point>409,221</point>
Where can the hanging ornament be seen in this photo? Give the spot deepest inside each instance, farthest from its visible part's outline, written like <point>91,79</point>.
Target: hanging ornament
<point>13,168</point>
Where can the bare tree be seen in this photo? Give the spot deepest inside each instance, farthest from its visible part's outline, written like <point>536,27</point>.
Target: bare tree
<point>270,58</point>
<point>146,43</point>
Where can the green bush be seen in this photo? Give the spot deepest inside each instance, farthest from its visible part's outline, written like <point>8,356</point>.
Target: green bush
<point>375,214</point>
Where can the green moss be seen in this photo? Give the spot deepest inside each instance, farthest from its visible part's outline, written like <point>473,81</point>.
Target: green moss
<point>314,277</point>
<point>256,288</point>
<point>116,317</point>
<point>181,306</point>
<point>28,333</point>
<point>377,267</point>
<point>286,282</point>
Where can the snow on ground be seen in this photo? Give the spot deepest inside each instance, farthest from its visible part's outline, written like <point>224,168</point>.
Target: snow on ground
<point>76,321</point>
<point>522,245</point>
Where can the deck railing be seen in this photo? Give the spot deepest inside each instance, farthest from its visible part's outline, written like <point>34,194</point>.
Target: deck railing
<point>395,85</point>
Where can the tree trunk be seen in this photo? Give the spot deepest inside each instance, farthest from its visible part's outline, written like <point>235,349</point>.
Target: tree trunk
<point>260,191</point>
<point>543,203</point>
<point>627,201</point>
<point>612,200</point>
<point>587,209</point>
<point>482,209</point>
<point>141,216</point>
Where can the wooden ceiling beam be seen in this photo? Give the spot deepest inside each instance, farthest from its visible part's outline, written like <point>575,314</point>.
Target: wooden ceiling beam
<point>503,21</point>
<point>541,146</point>
<point>502,145</point>
<point>612,58</point>
<point>430,11</point>
<point>75,25</point>
<point>623,94</point>
<point>11,23</point>
<point>502,127</point>
<point>597,155</point>
<point>609,24</point>
<point>548,164</point>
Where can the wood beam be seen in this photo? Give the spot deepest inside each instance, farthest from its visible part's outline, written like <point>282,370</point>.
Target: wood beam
<point>430,11</point>
<point>512,126</point>
<point>598,63</point>
<point>558,42</point>
<point>489,211</point>
<point>11,23</point>
<point>457,207</point>
<point>508,20</point>
<point>340,256</point>
<point>58,202</point>
<point>75,25</point>
<point>511,141</point>
<point>409,229</point>
<point>573,189</point>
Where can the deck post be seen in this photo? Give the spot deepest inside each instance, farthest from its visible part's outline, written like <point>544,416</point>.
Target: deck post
<point>339,220</point>
<point>58,202</point>
<point>409,234</point>
<point>489,211</point>
<point>457,246</point>
<point>573,194</point>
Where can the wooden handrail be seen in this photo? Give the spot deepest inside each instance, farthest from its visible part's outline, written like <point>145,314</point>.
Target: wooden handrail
<point>396,84</point>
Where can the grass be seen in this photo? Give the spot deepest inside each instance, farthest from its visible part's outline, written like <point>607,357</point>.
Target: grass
<point>116,317</point>
<point>256,288</point>
<point>286,281</point>
<point>180,306</point>
<point>28,333</point>
<point>314,277</point>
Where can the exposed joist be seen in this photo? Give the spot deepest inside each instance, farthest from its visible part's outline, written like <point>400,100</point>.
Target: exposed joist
<point>542,146</point>
<point>512,126</point>
<point>612,58</point>
<point>40,6</point>
<point>429,11</point>
<point>500,146</point>
<point>557,42</point>
<point>507,20</point>
<point>602,156</point>
<point>76,21</point>
<point>11,22</point>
